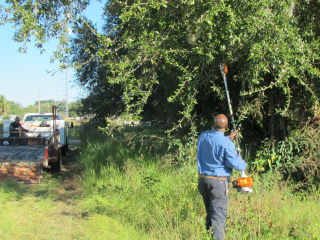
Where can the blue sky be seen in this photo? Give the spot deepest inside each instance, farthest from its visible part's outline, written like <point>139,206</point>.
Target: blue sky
<point>22,76</point>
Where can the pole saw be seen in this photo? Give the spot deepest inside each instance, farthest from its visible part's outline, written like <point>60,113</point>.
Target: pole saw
<point>244,183</point>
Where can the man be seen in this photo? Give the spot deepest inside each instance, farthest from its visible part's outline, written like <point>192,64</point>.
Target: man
<point>15,127</point>
<point>217,157</point>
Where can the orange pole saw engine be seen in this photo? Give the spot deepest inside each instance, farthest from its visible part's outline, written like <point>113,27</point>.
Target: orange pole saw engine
<point>243,182</point>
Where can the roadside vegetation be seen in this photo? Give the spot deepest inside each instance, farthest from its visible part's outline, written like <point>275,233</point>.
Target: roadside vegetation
<point>157,63</point>
<point>159,198</point>
<point>12,108</point>
<point>117,188</point>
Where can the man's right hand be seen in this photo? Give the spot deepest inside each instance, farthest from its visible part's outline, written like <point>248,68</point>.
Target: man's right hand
<point>233,134</point>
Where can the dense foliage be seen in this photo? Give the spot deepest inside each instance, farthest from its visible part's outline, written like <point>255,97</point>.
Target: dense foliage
<point>165,55</point>
<point>159,61</point>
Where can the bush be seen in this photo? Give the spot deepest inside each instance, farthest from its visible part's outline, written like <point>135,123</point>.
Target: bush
<point>297,157</point>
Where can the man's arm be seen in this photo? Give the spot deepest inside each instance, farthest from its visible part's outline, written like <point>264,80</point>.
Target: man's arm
<point>232,159</point>
<point>22,128</point>
<point>11,128</point>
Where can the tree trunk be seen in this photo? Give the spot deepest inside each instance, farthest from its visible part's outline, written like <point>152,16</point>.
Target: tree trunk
<point>277,95</point>
<point>243,88</point>
<point>284,120</point>
<point>271,113</point>
<point>284,128</point>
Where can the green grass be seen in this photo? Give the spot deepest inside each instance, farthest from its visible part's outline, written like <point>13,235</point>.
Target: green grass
<point>33,218</point>
<point>57,208</point>
<point>109,190</point>
<point>162,200</point>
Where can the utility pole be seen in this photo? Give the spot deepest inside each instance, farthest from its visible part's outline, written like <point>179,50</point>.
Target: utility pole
<point>59,103</point>
<point>67,110</point>
<point>39,102</point>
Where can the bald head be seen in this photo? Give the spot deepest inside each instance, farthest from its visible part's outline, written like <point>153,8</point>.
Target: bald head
<point>220,122</point>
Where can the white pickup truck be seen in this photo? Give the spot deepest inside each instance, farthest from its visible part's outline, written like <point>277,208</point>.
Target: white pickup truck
<point>41,124</point>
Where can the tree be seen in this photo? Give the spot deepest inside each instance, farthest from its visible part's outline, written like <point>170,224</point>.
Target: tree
<point>3,105</point>
<point>164,57</point>
<point>43,20</point>
<point>269,46</point>
<point>74,108</point>
<point>104,98</point>
<point>15,108</point>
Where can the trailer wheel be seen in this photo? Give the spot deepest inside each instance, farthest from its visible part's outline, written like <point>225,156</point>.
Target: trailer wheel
<point>56,166</point>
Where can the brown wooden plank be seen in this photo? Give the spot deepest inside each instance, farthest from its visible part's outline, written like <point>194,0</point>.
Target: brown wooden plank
<point>24,172</point>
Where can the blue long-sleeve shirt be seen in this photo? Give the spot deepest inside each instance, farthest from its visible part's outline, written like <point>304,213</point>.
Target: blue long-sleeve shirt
<point>217,155</point>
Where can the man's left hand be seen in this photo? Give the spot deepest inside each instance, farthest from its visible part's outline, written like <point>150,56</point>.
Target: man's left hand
<point>233,134</point>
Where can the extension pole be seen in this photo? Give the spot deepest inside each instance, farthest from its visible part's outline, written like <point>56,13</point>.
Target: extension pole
<point>224,71</point>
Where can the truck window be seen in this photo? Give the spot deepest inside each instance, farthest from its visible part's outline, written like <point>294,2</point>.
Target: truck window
<point>39,118</point>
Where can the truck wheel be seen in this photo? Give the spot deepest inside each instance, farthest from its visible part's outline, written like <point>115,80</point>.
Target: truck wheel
<point>56,166</point>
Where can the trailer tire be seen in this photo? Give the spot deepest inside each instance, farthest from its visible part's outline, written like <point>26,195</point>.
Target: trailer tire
<point>56,166</point>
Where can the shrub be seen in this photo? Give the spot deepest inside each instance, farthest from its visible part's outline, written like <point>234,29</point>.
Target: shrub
<point>297,157</point>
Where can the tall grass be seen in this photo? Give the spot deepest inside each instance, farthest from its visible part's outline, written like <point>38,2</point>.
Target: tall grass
<point>161,200</point>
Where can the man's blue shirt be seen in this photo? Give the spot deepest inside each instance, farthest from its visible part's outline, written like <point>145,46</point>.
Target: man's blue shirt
<point>217,155</point>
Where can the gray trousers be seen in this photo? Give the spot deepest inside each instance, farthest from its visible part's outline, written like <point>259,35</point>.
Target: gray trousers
<point>215,194</point>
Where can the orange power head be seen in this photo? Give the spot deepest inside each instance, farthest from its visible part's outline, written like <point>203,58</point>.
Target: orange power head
<point>243,182</point>
<point>225,68</point>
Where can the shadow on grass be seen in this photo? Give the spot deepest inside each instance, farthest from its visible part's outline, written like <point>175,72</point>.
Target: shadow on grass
<point>82,215</point>
<point>14,190</point>
<point>64,185</point>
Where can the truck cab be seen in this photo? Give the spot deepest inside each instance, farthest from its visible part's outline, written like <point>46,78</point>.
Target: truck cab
<point>42,125</point>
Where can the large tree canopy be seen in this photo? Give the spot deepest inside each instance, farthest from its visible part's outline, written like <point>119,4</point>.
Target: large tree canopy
<point>166,55</point>
<point>159,60</point>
